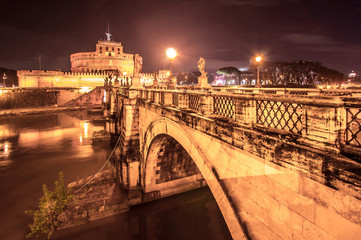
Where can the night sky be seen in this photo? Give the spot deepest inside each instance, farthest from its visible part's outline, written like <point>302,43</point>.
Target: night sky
<point>224,32</point>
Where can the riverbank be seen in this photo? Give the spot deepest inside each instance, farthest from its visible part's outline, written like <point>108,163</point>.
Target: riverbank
<point>40,110</point>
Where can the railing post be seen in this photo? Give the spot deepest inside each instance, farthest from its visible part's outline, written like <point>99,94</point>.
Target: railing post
<point>206,107</point>
<point>183,100</point>
<point>167,98</point>
<point>325,124</point>
<point>245,111</point>
<point>175,99</point>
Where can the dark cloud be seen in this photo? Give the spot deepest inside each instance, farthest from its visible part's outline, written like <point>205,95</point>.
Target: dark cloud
<point>319,43</point>
<point>257,3</point>
<point>308,39</point>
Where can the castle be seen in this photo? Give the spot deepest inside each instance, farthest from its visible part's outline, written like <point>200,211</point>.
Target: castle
<point>88,69</point>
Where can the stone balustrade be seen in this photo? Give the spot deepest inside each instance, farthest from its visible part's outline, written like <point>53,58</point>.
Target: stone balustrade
<point>325,122</point>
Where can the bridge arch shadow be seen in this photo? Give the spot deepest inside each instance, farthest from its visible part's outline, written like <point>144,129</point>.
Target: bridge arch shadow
<point>172,161</point>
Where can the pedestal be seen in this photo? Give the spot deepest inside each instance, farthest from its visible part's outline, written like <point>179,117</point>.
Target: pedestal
<point>203,82</point>
<point>172,82</point>
<point>136,81</point>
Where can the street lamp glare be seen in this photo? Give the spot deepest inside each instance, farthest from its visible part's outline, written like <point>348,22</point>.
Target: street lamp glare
<point>171,53</point>
<point>258,59</point>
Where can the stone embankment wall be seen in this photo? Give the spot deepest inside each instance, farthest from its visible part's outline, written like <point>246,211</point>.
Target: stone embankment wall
<point>34,98</point>
<point>27,98</point>
<point>94,97</point>
<point>96,200</point>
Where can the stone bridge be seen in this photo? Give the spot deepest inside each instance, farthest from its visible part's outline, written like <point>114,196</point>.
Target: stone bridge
<point>281,163</point>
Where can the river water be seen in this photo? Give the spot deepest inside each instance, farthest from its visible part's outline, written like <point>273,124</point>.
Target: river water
<point>34,148</point>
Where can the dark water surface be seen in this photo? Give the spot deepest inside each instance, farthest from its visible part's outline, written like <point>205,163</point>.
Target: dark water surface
<point>33,149</point>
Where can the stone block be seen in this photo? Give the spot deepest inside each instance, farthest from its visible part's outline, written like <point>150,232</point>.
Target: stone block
<point>336,201</point>
<point>256,228</point>
<point>311,231</point>
<point>289,180</point>
<point>298,203</point>
<point>247,189</point>
<point>282,214</point>
<point>282,230</point>
<point>336,225</point>
<point>255,209</point>
<point>262,183</point>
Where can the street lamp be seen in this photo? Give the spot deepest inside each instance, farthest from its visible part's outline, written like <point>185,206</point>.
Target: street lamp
<point>171,54</point>
<point>4,79</point>
<point>258,60</point>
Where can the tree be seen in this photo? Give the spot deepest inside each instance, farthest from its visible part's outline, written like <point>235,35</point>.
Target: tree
<point>300,73</point>
<point>231,74</point>
<point>51,205</point>
<point>228,71</point>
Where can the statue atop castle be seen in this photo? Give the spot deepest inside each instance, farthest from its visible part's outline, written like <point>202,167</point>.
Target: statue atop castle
<point>138,62</point>
<point>109,37</point>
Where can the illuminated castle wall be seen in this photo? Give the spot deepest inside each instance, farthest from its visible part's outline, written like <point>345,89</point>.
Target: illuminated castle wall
<point>46,78</point>
<point>88,69</point>
<point>108,55</point>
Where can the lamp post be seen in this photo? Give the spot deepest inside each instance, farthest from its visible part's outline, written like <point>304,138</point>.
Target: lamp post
<point>4,79</point>
<point>258,60</point>
<point>171,54</point>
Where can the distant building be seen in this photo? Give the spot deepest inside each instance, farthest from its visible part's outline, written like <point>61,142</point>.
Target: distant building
<point>352,74</point>
<point>247,78</point>
<point>88,69</point>
<point>148,78</point>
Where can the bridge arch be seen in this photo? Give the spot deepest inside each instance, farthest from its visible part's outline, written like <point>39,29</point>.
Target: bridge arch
<point>164,129</point>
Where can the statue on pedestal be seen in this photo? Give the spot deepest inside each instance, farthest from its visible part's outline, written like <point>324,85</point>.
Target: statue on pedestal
<point>202,66</point>
<point>155,81</point>
<point>202,79</point>
<point>138,61</point>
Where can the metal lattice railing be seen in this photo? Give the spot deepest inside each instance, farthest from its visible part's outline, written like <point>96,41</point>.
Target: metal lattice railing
<point>175,99</point>
<point>194,102</point>
<point>224,106</point>
<point>152,95</point>
<point>281,115</point>
<point>353,127</point>
<point>162,97</point>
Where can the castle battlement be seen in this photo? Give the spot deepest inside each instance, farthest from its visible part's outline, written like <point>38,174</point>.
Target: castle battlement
<point>88,69</point>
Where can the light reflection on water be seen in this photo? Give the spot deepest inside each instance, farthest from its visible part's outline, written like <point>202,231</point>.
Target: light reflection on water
<point>76,133</point>
<point>33,150</point>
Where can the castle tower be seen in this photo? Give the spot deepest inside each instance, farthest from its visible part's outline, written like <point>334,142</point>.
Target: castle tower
<point>108,56</point>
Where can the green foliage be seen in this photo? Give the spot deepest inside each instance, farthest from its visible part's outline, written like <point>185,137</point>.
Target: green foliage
<point>51,205</point>
<point>299,73</point>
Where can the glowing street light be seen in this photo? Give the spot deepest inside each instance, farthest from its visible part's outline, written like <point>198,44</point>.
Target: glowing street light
<point>258,60</point>
<point>4,79</point>
<point>171,54</point>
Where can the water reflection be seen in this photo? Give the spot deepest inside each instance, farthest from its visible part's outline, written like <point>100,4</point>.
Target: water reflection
<point>33,150</point>
<point>55,132</point>
<point>192,215</point>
